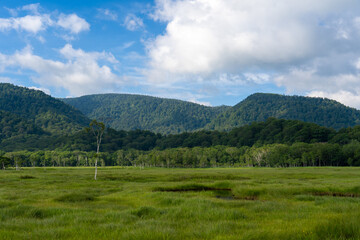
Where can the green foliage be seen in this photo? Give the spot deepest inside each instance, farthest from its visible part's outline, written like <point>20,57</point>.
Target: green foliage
<point>260,106</point>
<point>261,133</point>
<point>24,111</point>
<point>130,112</point>
<point>12,125</point>
<point>168,116</point>
<point>4,162</point>
<point>268,155</point>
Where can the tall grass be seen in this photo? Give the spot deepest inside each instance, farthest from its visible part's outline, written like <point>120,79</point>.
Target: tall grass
<point>219,203</point>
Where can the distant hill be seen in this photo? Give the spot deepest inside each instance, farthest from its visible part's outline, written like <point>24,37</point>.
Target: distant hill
<point>130,112</point>
<point>26,111</point>
<point>260,106</point>
<point>169,116</point>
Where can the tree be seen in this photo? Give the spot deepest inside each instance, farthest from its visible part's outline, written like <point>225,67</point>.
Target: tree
<point>17,157</point>
<point>97,128</point>
<point>4,161</point>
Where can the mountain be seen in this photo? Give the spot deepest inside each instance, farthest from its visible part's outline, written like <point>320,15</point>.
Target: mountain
<point>130,112</point>
<point>260,106</point>
<point>169,116</point>
<point>25,111</point>
<point>12,125</point>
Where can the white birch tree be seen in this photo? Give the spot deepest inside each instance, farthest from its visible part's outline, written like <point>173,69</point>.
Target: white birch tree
<point>97,128</point>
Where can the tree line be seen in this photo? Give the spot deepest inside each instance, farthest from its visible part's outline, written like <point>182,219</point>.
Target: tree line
<point>273,143</point>
<point>269,155</point>
<point>268,132</point>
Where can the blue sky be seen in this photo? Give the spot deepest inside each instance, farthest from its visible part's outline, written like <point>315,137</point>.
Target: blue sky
<point>206,51</point>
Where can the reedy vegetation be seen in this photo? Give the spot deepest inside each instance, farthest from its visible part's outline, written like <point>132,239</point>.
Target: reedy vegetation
<point>130,203</point>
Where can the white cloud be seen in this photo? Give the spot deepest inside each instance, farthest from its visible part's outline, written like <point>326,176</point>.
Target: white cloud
<point>77,54</point>
<point>302,46</point>
<point>344,88</point>
<point>203,37</point>
<point>45,90</point>
<point>73,23</point>
<point>33,8</point>
<point>29,23</point>
<point>13,12</point>
<point>37,22</point>
<point>127,45</point>
<point>80,73</point>
<point>309,80</point>
<point>107,14</point>
<point>357,64</point>
<point>348,98</point>
<point>41,39</point>
<point>199,102</point>
<point>133,23</point>
<point>5,80</point>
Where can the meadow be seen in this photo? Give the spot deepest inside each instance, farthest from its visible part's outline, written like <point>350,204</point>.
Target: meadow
<point>160,203</point>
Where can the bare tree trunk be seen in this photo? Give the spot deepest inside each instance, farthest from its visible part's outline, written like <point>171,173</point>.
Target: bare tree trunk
<point>97,129</point>
<point>97,157</point>
<point>17,166</point>
<point>3,167</point>
<point>96,161</point>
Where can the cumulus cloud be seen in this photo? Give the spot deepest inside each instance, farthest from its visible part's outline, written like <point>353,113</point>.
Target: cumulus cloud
<point>29,23</point>
<point>80,73</point>
<point>77,54</point>
<point>302,46</point>
<point>36,21</point>
<point>73,23</point>
<point>344,88</point>
<point>133,23</point>
<point>206,36</point>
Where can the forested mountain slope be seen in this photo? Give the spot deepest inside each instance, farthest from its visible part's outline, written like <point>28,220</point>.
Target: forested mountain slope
<point>160,115</point>
<point>261,106</point>
<point>259,133</point>
<point>26,111</point>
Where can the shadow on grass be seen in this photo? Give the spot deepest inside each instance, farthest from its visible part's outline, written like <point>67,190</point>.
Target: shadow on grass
<point>76,197</point>
<point>191,188</point>
<point>337,194</point>
<point>27,177</point>
<point>220,190</point>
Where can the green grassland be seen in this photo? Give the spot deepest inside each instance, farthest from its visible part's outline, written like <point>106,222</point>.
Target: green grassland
<point>159,203</point>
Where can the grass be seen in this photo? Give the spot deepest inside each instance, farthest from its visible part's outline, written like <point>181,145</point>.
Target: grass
<point>218,203</point>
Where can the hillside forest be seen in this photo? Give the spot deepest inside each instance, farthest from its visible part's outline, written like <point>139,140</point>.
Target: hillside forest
<point>39,130</point>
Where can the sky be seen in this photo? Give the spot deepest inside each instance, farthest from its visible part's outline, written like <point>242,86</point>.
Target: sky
<point>212,52</point>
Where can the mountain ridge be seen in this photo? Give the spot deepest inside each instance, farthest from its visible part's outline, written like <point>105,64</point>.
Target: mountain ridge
<point>132,111</point>
<point>170,116</point>
<point>34,107</point>
<point>260,106</point>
